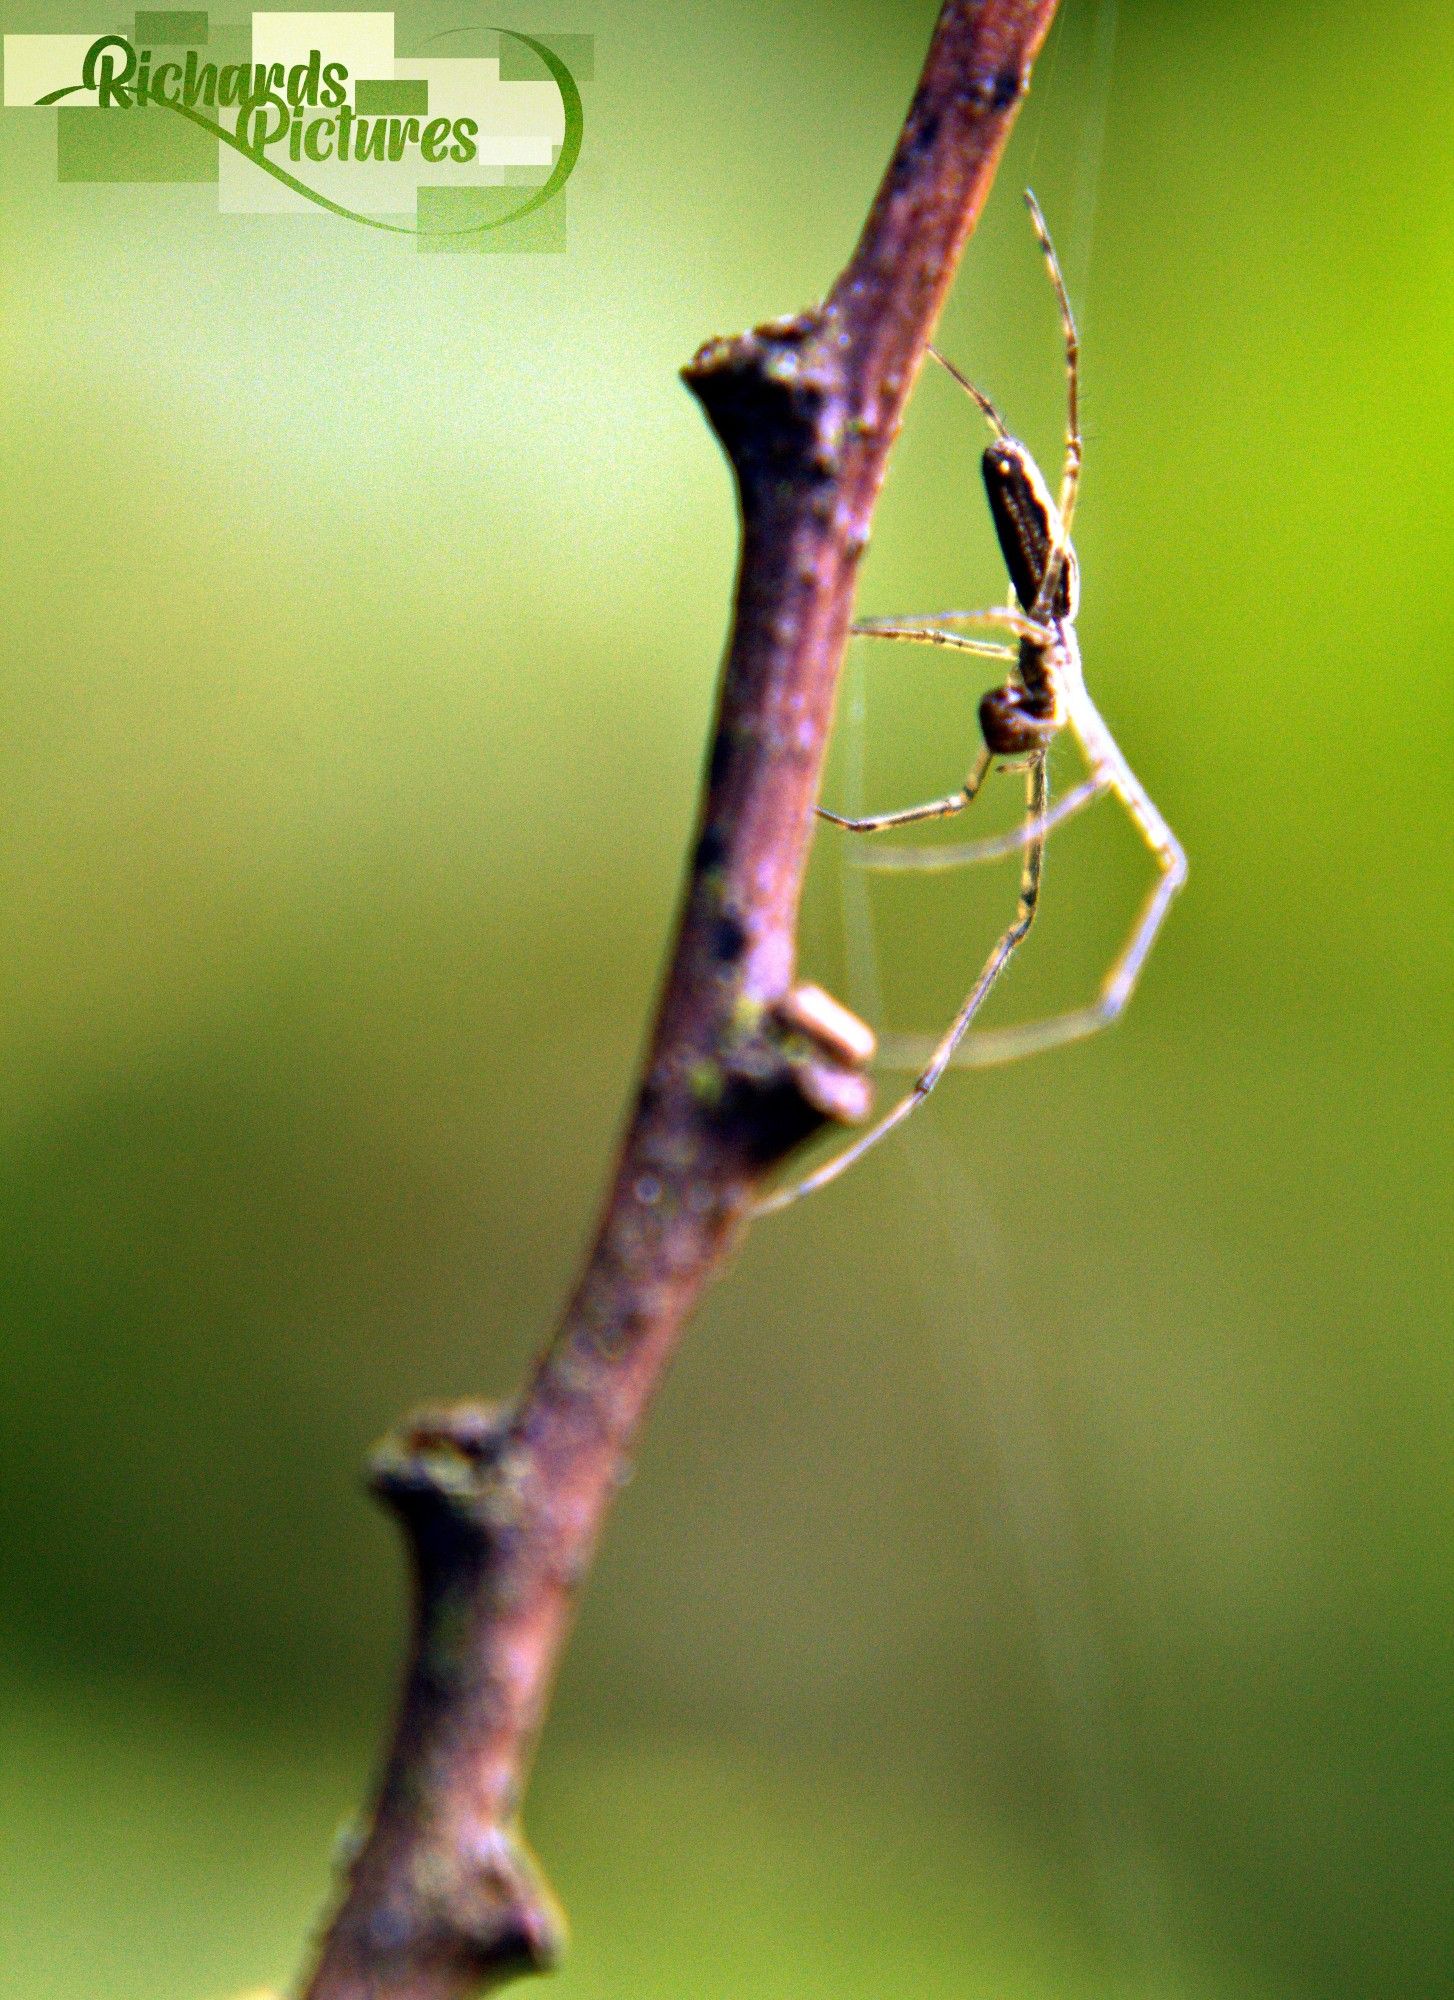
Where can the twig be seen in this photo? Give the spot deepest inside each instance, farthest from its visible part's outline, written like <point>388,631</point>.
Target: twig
<point>502,1507</point>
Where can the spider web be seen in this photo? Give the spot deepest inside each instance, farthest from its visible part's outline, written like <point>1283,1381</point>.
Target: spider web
<point>991,1386</point>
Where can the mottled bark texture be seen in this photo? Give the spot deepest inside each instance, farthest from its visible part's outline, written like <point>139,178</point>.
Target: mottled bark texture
<point>502,1507</point>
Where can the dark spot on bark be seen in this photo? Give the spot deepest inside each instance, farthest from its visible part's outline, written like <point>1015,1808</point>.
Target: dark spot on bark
<point>729,939</point>
<point>927,133</point>
<point>998,93</point>
<point>711,848</point>
<point>1007,88</point>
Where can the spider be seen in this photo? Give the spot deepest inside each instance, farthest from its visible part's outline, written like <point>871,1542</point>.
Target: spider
<point>1043,693</point>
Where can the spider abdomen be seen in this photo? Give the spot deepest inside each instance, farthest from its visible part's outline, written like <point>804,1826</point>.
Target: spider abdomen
<point>1027,523</point>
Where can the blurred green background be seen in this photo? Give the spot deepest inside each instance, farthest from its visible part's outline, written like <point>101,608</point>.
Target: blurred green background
<point>1036,1582</point>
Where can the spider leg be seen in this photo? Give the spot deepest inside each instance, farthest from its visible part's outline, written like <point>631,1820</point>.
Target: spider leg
<point>1060,549</point>
<point>962,854</point>
<point>931,635</point>
<point>954,802</point>
<point>985,406</point>
<point>933,630</point>
<point>1027,1038</point>
<point>943,1052</point>
<point>1074,444</point>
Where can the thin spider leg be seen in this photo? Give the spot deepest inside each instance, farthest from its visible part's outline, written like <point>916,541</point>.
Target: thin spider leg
<point>1074,444</point>
<point>928,635</point>
<point>986,407</point>
<point>1006,617</point>
<point>1060,548</point>
<point>1006,1045</point>
<point>963,854</point>
<point>944,1050</point>
<point>944,808</point>
<point>1002,1045</point>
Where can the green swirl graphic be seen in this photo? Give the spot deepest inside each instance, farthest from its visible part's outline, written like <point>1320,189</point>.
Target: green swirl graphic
<point>560,173</point>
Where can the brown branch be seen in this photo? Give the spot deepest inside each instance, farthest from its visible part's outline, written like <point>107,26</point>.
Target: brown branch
<point>502,1508</point>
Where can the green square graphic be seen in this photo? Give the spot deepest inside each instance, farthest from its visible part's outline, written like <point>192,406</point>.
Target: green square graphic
<point>453,212</point>
<point>170,30</point>
<point>149,144</point>
<point>398,96</point>
<point>519,64</point>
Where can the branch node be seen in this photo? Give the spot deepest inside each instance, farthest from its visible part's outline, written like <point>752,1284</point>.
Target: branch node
<point>792,1067</point>
<point>461,1899</point>
<point>449,1479</point>
<point>828,1049</point>
<point>776,397</point>
<point>491,1907</point>
<point>440,1473</point>
<point>476,1913</point>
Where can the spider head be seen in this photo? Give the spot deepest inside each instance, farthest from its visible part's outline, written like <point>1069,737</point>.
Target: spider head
<point>1028,524</point>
